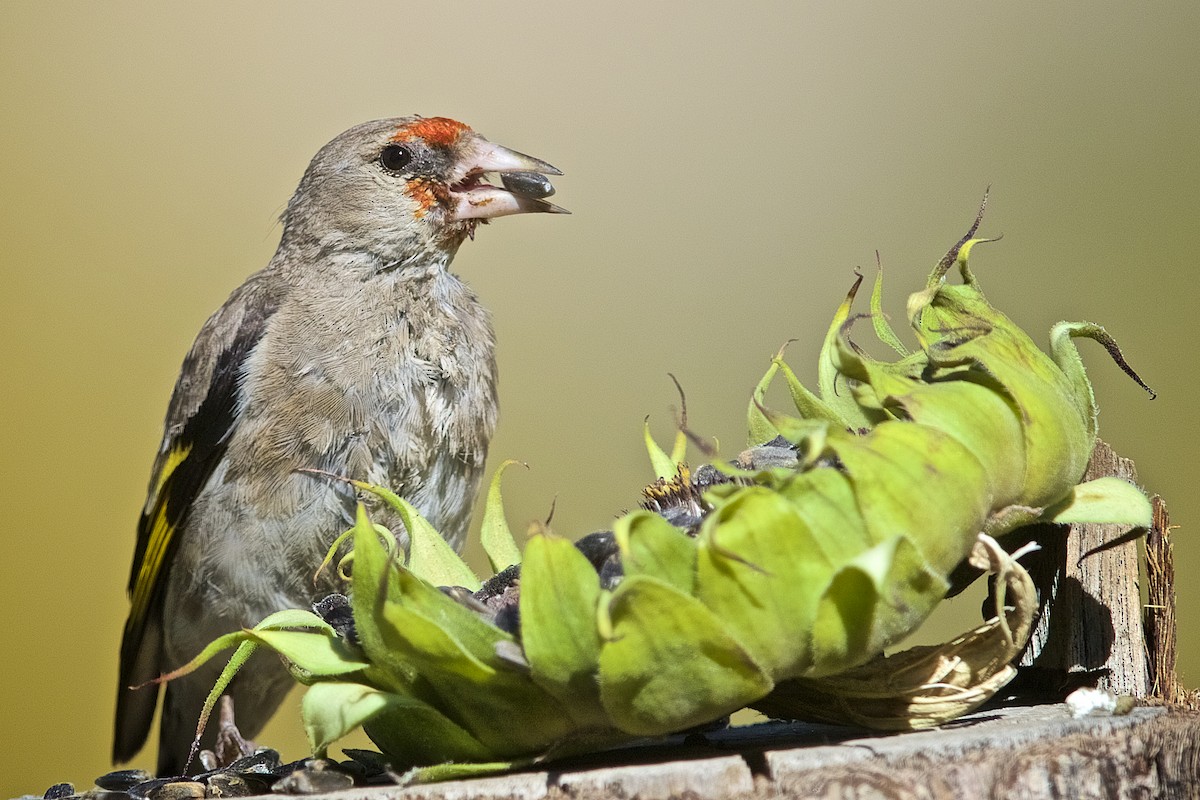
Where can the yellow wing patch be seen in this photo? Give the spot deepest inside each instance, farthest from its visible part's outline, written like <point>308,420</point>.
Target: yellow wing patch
<point>176,457</point>
<point>159,534</point>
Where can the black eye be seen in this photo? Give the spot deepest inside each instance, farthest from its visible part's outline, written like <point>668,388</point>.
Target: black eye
<point>395,157</point>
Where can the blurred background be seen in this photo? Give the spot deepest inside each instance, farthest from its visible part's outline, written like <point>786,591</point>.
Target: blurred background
<point>728,166</point>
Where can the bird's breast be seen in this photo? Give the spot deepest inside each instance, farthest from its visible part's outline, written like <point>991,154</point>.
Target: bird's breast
<point>395,386</point>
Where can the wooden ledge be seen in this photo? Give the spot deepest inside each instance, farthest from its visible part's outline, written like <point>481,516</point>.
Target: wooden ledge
<point>1023,752</point>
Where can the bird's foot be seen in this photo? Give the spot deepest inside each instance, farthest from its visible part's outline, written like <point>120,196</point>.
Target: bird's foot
<point>230,745</point>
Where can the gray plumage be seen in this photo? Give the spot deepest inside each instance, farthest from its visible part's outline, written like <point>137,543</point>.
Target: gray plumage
<point>356,352</point>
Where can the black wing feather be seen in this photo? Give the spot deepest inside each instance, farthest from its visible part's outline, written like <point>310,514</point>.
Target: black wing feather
<point>199,423</point>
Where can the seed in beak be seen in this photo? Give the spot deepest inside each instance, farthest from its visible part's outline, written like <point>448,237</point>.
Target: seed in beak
<point>528,184</point>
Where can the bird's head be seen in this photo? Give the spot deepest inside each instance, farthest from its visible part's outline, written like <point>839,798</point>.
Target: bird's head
<point>403,189</point>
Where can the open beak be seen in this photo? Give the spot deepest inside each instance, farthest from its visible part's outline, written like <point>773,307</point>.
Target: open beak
<point>524,178</point>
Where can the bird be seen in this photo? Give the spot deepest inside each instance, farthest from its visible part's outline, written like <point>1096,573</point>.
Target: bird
<point>355,352</point>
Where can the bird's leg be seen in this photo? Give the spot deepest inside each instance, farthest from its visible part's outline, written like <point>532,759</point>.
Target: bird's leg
<point>230,745</point>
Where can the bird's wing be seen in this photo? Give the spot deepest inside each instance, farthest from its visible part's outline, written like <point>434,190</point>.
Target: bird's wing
<point>201,417</point>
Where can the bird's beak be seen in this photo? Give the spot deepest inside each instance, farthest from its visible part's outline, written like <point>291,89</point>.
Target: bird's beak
<point>524,178</point>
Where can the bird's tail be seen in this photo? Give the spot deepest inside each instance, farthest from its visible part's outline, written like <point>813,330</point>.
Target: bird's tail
<point>135,707</point>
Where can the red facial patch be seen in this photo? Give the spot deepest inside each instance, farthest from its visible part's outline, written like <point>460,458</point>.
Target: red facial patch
<point>433,130</point>
<point>427,194</point>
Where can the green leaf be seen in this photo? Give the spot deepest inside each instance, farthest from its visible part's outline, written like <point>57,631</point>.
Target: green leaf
<point>958,327</point>
<point>807,434</point>
<point>503,708</point>
<point>238,639</point>
<point>761,571</point>
<point>871,603</point>
<point>1066,356</point>
<point>374,581</point>
<point>560,592</point>
<point>916,481</point>
<point>823,498</point>
<point>759,428</point>
<point>332,552</point>
<point>679,448</point>
<point>808,404</point>
<point>270,631</point>
<point>664,466</point>
<point>464,771</point>
<point>883,328</point>
<point>497,539</point>
<point>841,631</point>
<point>315,655</point>
<point>333,709</point>
<point>671,663</point>
<point>457,652</point>
<point>1105,500</point>
<point>982,418</point>
<point>447,634</point>
<point>835,389</point>
<point>294,619</point>
<point>918,302</point>
<point>430,556</point>
<point>408,731</point>
<point>652,546</point>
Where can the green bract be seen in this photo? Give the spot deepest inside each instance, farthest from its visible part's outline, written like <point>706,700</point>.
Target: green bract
<point>831,539</point>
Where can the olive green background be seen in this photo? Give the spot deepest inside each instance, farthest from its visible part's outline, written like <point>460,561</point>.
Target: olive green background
<point>727,166</point>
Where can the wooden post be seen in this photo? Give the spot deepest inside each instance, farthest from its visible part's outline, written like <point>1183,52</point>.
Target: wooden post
<point>1091,626</point>
<point>1160,608</point>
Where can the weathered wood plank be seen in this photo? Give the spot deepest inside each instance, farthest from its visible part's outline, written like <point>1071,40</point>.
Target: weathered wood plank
<point>1092,619</point>
<point>715,778</point>
<point>1035,753</point>
<point>1160,607</point>
<point>1029,753</point>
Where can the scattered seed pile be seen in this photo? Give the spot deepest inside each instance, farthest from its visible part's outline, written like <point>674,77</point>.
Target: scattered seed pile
<point>261,773</point>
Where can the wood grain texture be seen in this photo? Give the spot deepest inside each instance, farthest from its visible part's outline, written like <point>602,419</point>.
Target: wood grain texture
<point>1091,625</point>
<point>1161,635</point>
<point>1024,753</point>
